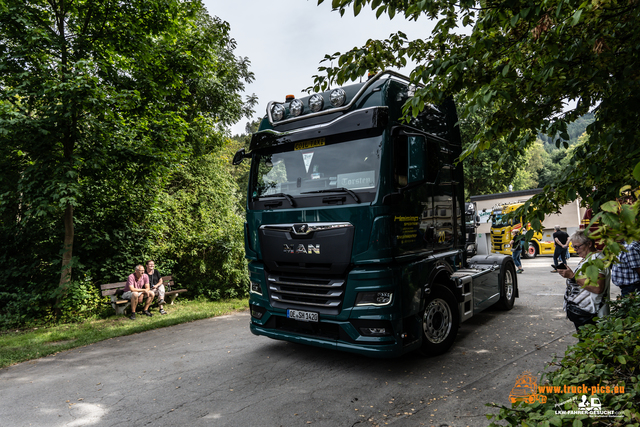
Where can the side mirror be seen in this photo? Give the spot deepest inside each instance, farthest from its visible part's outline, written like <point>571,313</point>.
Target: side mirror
<point>239,157</point>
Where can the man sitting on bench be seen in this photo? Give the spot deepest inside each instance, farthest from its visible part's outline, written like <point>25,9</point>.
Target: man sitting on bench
<point>136,289</point>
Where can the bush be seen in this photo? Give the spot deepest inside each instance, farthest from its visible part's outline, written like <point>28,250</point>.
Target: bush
<point>81,300</point>
<point>187,219</point>
<point>19,308</point>
<point>608,354</point>
<point>201,229</point>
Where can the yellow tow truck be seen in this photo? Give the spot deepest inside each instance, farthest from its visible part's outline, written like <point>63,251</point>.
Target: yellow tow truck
<point>541,243</point>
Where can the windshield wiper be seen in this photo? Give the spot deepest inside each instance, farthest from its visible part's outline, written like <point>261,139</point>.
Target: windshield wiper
<point>336,190</point>
<point>286,196</point>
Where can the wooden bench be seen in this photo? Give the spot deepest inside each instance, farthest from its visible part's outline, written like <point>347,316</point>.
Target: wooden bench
<point>120,305</point>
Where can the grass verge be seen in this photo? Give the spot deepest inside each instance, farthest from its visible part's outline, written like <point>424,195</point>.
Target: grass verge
<point>20,346</point>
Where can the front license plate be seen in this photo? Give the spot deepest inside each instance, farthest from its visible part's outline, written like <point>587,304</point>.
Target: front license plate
<point>303,316</point>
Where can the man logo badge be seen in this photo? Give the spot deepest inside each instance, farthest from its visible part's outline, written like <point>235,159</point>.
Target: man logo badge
<point>301,229</point>
<point>300,249</point>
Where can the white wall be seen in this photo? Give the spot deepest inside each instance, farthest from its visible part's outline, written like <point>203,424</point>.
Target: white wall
<point>568,218</point>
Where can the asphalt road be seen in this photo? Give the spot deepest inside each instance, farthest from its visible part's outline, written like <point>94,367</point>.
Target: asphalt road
<point>214,372</point>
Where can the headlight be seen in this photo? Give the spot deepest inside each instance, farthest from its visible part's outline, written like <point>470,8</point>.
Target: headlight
<point>255,288</point>
<point>337,97</point>
<point>374,298</point>
<point>316,102</point>
<point>277,112</point>
<point>296,107</point>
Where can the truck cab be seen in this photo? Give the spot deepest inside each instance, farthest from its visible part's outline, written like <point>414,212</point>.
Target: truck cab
<point>355,226</point>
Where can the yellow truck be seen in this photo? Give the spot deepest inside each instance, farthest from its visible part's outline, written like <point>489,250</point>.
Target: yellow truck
<point>541,243</point>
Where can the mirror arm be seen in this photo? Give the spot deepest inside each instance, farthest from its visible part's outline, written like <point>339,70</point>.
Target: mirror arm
<point>240,156</point>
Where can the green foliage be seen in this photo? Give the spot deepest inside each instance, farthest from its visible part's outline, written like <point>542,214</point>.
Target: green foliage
<point>80,300</point>
<point>616,222</point>
<point>554,165</point>
<point>527,174</point>
<point>491,169</point>
<point>201,229</point>
<point>517,63</point>
<point>21,308</point>
<point>608,355</point>
<point>100,103</point>
<point>240,173</point>
<point>575,130</point>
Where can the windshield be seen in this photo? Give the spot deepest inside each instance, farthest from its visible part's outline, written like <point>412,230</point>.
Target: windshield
<point>313,167</point>
<point>498,220</point>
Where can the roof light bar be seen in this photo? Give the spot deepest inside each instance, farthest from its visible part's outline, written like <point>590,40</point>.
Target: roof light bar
<point>320,111</point>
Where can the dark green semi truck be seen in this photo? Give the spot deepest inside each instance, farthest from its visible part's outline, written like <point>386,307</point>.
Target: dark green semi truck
<point>355,228</point>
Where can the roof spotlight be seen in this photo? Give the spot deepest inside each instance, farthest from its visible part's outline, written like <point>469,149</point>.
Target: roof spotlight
<point>296,107</point>
<point>316,102</point>
<point>277,112</point>
<point>338,97</point>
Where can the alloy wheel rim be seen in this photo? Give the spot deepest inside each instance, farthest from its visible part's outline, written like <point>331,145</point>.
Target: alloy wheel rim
<point>437,321</point>
<point>508,285</point>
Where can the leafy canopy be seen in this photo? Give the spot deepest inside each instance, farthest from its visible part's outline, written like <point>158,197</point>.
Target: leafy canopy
<point>520,63</point>
<point>99,101</point>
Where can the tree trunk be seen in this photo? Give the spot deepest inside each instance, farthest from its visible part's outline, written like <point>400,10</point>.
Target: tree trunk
<point>67,254</point>
<point>67,143</point>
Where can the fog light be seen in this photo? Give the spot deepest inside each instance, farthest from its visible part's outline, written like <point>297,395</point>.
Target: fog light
<point>256,311</point>
<point>374,332</point>
<point>374,298</point>
<point>316,102</point>
<point>255,288</point>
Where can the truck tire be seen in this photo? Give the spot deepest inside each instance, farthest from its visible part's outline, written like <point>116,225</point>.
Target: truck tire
<point>533,250</point>
<point>440,321</point>
<point>507,286</point>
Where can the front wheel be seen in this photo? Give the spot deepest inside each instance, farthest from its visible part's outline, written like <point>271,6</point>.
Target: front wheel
<point>440,321</point>
<point>507,287</point>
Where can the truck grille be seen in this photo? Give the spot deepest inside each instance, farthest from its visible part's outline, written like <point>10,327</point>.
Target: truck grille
<point>321,295</point>
<point>497,242</point>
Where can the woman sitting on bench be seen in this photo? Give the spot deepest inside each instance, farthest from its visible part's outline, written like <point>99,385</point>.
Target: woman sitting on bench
<point>156,285</point>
